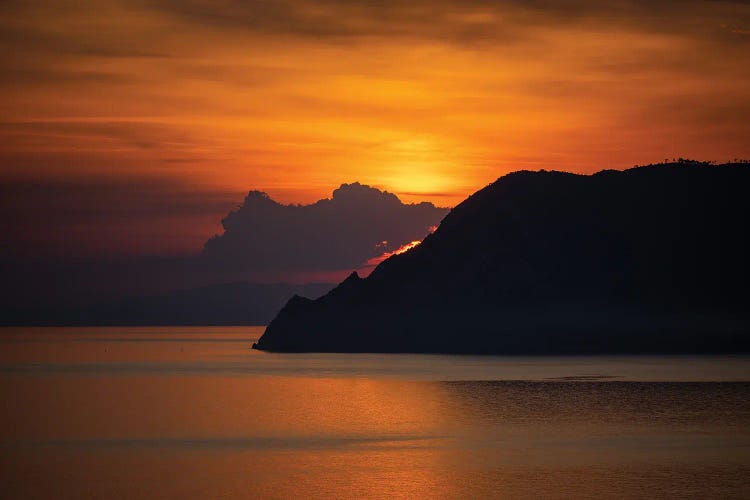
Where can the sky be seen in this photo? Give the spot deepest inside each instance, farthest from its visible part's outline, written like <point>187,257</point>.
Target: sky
<point>132,127</point>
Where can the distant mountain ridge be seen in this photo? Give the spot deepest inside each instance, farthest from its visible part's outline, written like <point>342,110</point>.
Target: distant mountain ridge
<point>650,259</point>
<point>227,304</point>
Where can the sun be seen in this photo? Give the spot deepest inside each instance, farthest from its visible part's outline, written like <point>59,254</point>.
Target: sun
<point>416,181</point>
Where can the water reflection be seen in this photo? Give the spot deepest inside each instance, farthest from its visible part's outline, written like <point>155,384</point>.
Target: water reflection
<point>332,428</point>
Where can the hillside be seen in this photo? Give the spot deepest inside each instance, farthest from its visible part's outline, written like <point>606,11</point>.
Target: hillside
<point>650,259</point>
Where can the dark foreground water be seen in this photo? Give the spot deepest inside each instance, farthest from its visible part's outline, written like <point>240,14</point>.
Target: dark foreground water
<point>194,413</point>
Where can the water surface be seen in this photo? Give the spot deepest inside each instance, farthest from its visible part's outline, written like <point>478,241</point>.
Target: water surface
<point>194,413</point>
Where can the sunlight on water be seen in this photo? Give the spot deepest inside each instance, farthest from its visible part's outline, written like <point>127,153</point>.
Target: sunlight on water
<point>194,413</point>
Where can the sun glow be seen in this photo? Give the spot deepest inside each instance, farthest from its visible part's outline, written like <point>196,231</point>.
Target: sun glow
<point>402,249</point>
<point>373,262</point>
<point>418,183</point>
<point>406,248</point>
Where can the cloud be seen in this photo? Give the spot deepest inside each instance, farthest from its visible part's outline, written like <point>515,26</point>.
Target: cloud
<point>68,28</point>
<point>88,44</point>
<point>453,21</point>
<point>358,223</point>
<point>102,217</point>
<point>133,133</point>
<point>303,86</point>
<point>80,241</point>
<point>21,75</point>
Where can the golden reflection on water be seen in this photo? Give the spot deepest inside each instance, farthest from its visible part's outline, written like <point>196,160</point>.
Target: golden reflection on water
<point>74,407</point>
<point>74,425</point>
<point>201,436</point>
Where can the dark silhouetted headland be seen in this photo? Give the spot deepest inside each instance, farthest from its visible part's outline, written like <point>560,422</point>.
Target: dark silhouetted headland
<point>651,259</point>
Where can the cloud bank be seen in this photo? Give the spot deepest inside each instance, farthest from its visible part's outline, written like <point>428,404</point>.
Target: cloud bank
<point>102,218</point>
<point>356,224</point>
<point>74,243</point>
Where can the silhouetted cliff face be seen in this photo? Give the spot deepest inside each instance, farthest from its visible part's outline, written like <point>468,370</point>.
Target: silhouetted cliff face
<point>651,259</point>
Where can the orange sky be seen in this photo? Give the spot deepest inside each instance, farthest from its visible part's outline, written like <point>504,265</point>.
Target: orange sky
<point>429,100</point>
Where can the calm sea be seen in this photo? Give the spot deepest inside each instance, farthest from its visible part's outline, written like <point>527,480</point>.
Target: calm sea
<point>195,413</point>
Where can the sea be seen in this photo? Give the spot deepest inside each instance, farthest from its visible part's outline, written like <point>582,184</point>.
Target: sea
<point>195,413</point>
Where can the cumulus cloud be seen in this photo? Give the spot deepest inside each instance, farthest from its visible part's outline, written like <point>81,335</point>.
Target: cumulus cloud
<point>358,223</point>
<point>76,242</point>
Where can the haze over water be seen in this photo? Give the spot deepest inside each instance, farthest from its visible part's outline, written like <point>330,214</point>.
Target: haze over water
<point>195,413</point>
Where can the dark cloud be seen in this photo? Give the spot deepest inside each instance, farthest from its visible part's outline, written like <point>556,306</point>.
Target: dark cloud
<point>20,36</point>
<point>342,21</point>
<point>356,224</point>
<point>140,134</point>
<point>456,20</point>
<point>21,75</point>
<point>78,242</point>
